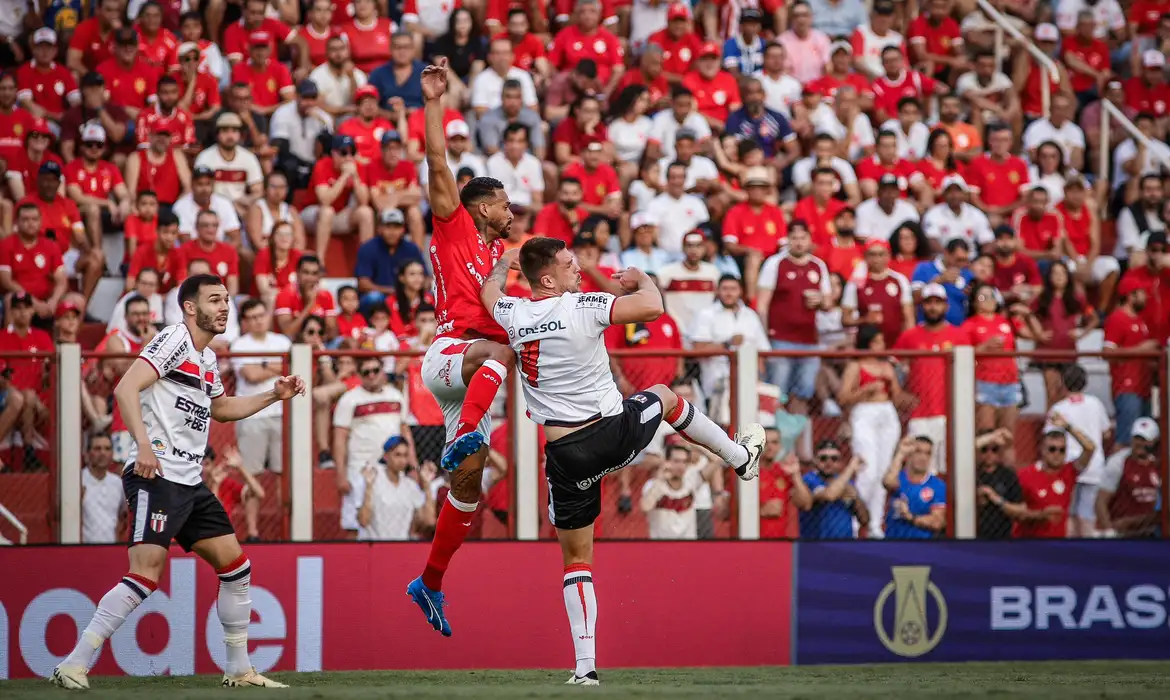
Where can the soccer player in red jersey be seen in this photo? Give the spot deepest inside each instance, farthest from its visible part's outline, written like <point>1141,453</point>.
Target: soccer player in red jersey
<point>470,359</point>
<point>1048,484</point>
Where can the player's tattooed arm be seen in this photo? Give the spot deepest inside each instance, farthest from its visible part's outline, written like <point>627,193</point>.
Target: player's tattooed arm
<point>493,286</point>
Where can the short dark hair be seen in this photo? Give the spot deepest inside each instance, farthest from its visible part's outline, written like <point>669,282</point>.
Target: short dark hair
<point>166,79</point>
<point>166,217</point>
<point>570,181</point>
<point>97,435</point>
<point>308,260</point>
<point>136,299</point>
<point>511,83</point>
<point>676,447</point>
<point>145,270</point>
<point>586,68</point>
<point>189,290</point>
<point>905,101</point>
<point>924,440</point>
<point>679,91</point>
<point>249,304</point>
<point>516,128</point>
<point>957,243</point>
<point>478,189</point>
<point>866,332</point>
<point>147,193</point>
<point>345,288</point>
<point>730,278</point>
<point>424,307</point>
<point>27,206</point>
<point>537,254</point>
<point>824,171</point>
<point>891,48</point>
<point>1075,378</point>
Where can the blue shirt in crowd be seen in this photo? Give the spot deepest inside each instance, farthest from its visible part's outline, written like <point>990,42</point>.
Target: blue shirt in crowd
<point>382,78</point>
<point>770,129</point>
<point>826,520</point>
<point>921,498</point>
<point>956,293</point>
<point>747,58</point>
<point>379,264</point>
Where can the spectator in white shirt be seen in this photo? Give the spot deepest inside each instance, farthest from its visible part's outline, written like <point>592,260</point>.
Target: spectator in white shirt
<point>688,285</point>
<point>955,217</point>
<point>1086,413</point>
<point>337,79</point>
<point>725,324</point>
<point>102,497</point>
<point>668,122</point>
<point>238,176</point>
<point>781,90</point>
<point>1140,218</point>
<point>520,171</point>
<point>1107,16</point>
<point>668,499</point>
<point>488,87</point>
<point>701,170</point>
<point>145,286</point>
<point>644,252</point>
<point>203,196</point>
<point>393,505</point>
<point>459,154</point>
<point>1125,164</point>
<point>294,130</point>
<point>1060,129</point>
<point>912,133</point>
<point>824,156</point>
<point>676,212</point>
<point>881,216</point>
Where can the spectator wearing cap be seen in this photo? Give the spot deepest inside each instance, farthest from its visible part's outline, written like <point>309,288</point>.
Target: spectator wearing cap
<point>835,502</point>
<point>223,258</point>
<point>1016,275</point>
<point>990,93</point>
<point>25,164</point>
<point>156,167</point>
<point>1149,28</point>
<point>585,38</point>
<point>520,171</point>
<point>936,42</point>
<point>643,252</point>
<point>679,43</point>
<point>716,91</point>
<point>897,81</point>
<point>725,324</point>
<point>238,36</point>
<point>1087,58</point>
<point>339,198</point>
<point>869,40</point>
<point>460,154</point>
<point>204,197</point>
<point>951,271</point>
<point>768,128</point>
<point>367,127</point>
<point>562,218</point>
<point>1040,230</point>
<point>676,211</point>
<point>1138,220</point>
<point>490,126</point>
<point>882,215</point>
<point>1130,494</point>
<point>32,265</point>
<point>93,108</point>
<point>667,123</point>
<point>270,81</point>
<point>198,89</point>
<point>394,505</point>
<point>1048,486</point>
<point>582,127</point>
<point>1085,414</point>
<point>96,186</point>
<point>956,217</point>
<point>882,297</point>
<point>601,191</point>
<point>401,76</point>
<point>1126,329</point>
<point>211,59</point>
<point>487,87</point>
<point>92,41</point>
<point>370,37</point>
<point>824,157</point>
<point>61,222</point>
<point>1027,73</point>
<point>755,224</point>
<point>166,114</point>
<point>688,285</point>
<point>68,321</point>
<point>393,182</point>
<point>29,375</point>
<point>295,128</point>
<point>237,99</point>
<point>1154,278</point>
<point>236,170</point>
<point>338,80</point>
<point>46,89</point>
<point>379,259</point>
<point>130,80</point>
<point>743,54</point>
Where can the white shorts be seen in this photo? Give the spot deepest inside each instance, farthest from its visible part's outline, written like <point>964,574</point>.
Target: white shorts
<point>442,375</point>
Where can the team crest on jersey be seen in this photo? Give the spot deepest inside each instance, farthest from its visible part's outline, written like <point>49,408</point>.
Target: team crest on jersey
<point>1014,177</point>
<point>813,276</point>
<point>39,260</point>
<point>158,447</point>
<point>59,87</point>
<point>1058,487</point>
<point>140,86</point>
<point>926,494</point>
<point>891,289</point>
<point>158,522</point>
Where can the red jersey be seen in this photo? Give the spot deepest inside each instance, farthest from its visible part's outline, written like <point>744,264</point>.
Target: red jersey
<point>827,85</point>
<point>763,230</point>
<point>887,93</point>
<point>1144,97</point>
<point>50,87</point>
<point>789,318</point>
<point>289,301</point>
<point>660,334</point>
<point>317,42</point>
<point>714,98</point>
<point>324,173</point>
<point>145,233</point>
<point>405,327</point>
<point>1077,227</point>
<point>206,94</point>
<point>133,346</point>
<point>369,45</point>
<point>1043,488</point>
<point>551,223</point>
<point>597,185</point>
<point>98,182</point>
<point>94,45</point>
<point>148,257</point>
<point>927,376</point>
<point>130,86</point>
<point>461,262</point>
<point>526,51</point>
<point>571,46</point>
<point>28,373</point>
<point>657,88</point>
<point>351,326</point>
<point>775,486</point>
<point>230,493</point>
<point>1146,14</point>
<point>887,294</point>
<point>1021,269</point>
<point>994,370</point>
<point>278,277</point>
<point>222,257</point>
<point>1093,52</point>
<point>1157,311</point>
<point>997,182</point>
<point>1038,234</point>
<point>14,127</point>
<point>19,162</point>
<point>1138,490</point>
<point>416,123</point>
<point>940,38</point>
<point>819,219</point>
<point>380,177</point>
<point>267,81</point>
<point>181,123</point>
<point>678,55</point>
<point>160,178</point>
<point>1030,99</point>
<point>497,10</point>
<point>236,37</point>
<point>873,168</point>
<point>1132,376</point>
<point>569,132</point>
<point>157,51</point>
<point>843,259</point>
<point>367,137</point>
<point>935,175</point>
<point>60,216</point>
<point>32,266</point>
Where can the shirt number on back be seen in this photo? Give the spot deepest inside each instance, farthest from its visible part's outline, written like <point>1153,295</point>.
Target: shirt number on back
<point>529,359</point>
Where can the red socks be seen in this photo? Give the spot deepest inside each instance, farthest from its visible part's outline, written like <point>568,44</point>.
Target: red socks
<point>481,391</point>
<point>451,529</point>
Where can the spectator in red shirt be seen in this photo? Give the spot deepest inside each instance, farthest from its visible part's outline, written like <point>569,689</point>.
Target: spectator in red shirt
<point>296,303</point>
<point>31,264</point>
<point>782,490</point>
<point>96,186</point>
<point>60,220</point>
<point>562,218</point>
<point>1040,229</point>
<point>1048,484</point>
<point>238,35</point>
<point>936,46</point>
<point>29,375</point>
<point>997,379</point>
<point>198,89</point>
<point>276,263</point>
<point>1087,58</point>
<point>1016,276</point>
<point>93,39</point>
<point>46,88</point>
<point>1132,379</point>
<point>1154,278</point>
<point>142,225</point>
<point>1149,92</point>
<point>680,45</point>
<point>636,373</point>
<point>716,91</point>
<point>159,167</point>
<point>820,209</point>
<point>166,112</point>
<point>1130,496</point>
<point>340,197</point>
<point>650,75</point>
<point>156,42</point>
<point>220,256</point>
<point>24,165</point>
<point>586,38</point>
<point>601,192</point>
<point>527,49</point>
<point>393,183</point>
<point>368,125</point>
<point>130,80</point>
<point>270,81</point>
<point>368,35</point>
<point>886,296</point>
<point>159,256</point>
<point>897,83</point>
<point>756,227</point>
<point>997,178</point>
<point>582,127</point>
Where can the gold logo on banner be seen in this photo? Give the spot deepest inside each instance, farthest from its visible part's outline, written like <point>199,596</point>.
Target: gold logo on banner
<point>911,636</point>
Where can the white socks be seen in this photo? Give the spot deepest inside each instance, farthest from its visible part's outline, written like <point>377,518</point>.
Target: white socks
<point>581,604</point>
<point>113,609</point>
<point>234,606</point>
<point>701,430</point>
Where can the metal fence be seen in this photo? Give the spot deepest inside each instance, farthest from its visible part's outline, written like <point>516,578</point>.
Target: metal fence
<point>29,503</point>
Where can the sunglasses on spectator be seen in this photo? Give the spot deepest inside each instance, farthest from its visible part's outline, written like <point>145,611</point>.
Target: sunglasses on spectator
<point>829,458</point>
<point>989,448</point>
<point>370,372</point>
<point>93,144</point>
<point>345,152</point>
<point>312,331</point>
<point>1056,450</point>
<point>189,59</point>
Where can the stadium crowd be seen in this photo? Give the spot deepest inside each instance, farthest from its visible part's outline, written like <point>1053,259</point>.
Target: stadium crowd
<point>799,176</point>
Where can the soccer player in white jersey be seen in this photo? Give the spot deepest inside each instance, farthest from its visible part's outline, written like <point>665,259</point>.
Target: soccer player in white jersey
<point>591,431</point>
<point>168,399</point>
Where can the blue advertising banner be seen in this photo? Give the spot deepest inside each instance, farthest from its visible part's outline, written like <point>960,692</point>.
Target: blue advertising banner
<point>877,602</point>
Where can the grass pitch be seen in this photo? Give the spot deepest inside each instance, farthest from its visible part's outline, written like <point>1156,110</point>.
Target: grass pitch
<point>1099,680</point>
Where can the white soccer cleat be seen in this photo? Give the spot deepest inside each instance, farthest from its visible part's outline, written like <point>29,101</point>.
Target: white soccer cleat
<point>70,677</point>
<point>588,679</point>
<point>752,438</point>
<point>251,679</point>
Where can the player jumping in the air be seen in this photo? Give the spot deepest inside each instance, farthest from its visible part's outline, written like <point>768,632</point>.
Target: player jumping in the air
<point>469,359</point>
<point>591,431</point>
<point>168,399</point>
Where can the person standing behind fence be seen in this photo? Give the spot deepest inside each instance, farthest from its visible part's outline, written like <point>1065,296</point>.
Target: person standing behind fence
<point>869,388</point>
<point>1129,497</point>
<point>393,505</point>
<point>1125,329</point>
<point>102,499</point>
<point>918,499</point>
<point>1088,414</point>
<point>997,379</point>
<point>1048,485</point>
<point>781,486</point>
<point>998,485</point>
<point>835,503</point>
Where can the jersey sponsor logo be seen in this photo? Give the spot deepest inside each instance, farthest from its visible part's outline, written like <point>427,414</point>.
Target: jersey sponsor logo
<point>596,300</point>
<point>189,456</point>
<point>546,327</point>
<point>585,484</point>
<point>158,447</point>
<point>911,635</point>
<point>196,416</point>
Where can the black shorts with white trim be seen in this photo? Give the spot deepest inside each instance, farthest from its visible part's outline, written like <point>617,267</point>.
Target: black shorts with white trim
<point>162,511</point>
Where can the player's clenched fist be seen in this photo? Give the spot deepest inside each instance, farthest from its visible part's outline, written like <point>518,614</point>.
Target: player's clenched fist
<point>434,79</point>
<point>629,279</point>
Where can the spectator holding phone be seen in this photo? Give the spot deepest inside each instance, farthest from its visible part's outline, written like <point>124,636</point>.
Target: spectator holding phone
<point>394,505</point>
<point>918,499</point>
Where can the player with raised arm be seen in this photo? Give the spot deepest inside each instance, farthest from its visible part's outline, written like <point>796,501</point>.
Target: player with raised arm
<point>168,398</point>
<point>591,431</point>
<point>469,360</point>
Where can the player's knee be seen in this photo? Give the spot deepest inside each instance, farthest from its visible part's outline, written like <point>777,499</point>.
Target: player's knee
<point>667,395</point>
<point>504,355</point>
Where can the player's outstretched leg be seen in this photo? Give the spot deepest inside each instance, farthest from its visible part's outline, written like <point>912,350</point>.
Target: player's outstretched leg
<point>485,369</point>
<point>742,453</point>
<point>580,602</point>
<point>451,528</point>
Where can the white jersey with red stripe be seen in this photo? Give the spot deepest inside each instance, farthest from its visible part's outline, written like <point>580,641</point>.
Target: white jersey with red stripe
<point>563,360</point>
<point>176,408</point>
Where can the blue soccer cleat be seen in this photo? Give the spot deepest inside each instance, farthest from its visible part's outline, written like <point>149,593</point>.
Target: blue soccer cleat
<point>431,603</point>
<point>461,448</point>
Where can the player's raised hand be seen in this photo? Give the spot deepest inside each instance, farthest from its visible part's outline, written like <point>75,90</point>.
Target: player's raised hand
<point>629,279</point>
<point>512,255</point>
<point>434,79</point>
<point>288,387</point>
